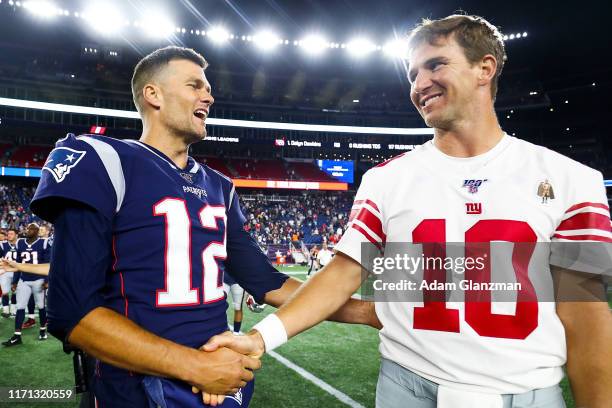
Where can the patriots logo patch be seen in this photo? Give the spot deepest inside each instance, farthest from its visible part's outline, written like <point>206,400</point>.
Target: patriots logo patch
<point>61,160</point>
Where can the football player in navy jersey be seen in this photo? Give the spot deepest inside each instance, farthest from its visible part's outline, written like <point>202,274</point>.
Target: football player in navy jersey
<point>142,235</point>
<point>30,250</point>
<point>8,250</point>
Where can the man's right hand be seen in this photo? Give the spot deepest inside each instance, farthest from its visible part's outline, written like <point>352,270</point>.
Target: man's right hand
<point>251,345</point>
<point>222,371</point>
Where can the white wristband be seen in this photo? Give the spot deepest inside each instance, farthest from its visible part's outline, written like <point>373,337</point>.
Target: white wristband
<point>272,331</point>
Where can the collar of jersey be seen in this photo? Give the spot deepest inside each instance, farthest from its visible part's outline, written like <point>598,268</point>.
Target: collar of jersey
<point>192,165</point>
<point>28,244</point>
<point>471,162</point>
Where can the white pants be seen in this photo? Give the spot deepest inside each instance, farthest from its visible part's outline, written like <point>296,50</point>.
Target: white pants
<point>26,288</point>
<point>5,282</point>
<point>237,294</point>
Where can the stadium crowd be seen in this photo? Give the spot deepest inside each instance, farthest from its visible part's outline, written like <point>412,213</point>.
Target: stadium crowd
<point>14,200</point>
<point>311,218</point>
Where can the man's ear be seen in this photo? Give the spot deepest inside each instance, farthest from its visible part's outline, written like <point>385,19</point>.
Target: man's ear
<point>488,67</point>
<point>152,95</point>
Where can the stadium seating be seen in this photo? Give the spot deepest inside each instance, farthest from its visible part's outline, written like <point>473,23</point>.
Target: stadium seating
<point>29,156</point>
<point>308,171</point>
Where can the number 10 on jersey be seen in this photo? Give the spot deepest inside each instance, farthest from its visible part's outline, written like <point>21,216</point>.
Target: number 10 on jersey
<point>435,315</point>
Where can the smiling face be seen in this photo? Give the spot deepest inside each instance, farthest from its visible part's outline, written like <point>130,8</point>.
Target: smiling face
<point>443,82</point>
<point>178,100</point>
<point>184,99</point>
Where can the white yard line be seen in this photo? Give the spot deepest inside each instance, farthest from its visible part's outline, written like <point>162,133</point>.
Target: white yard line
<point>316,380</point>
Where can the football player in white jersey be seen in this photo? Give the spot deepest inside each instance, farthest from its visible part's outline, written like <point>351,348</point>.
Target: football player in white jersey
<point>472,183</point>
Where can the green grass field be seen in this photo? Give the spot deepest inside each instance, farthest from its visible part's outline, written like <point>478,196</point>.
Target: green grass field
<point>344,356</point>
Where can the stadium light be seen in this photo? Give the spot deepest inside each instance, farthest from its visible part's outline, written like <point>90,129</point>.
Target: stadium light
<point>218,35</point>
<point>43,9</point>
<point>157,25</point>
<point>86,110</point>
<point>396,49</point>
<point>266,40</point>
<point>313,44</point>
<point>360,47</point>
<point>104,18</point>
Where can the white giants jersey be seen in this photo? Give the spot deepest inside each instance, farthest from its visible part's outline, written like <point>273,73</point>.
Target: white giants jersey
<point>516,192</point>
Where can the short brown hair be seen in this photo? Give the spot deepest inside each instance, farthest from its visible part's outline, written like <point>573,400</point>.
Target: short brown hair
<point>150,65</point>
<point>474,34</point>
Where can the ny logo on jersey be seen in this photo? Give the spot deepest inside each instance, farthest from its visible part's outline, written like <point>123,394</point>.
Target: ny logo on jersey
<point>61,160</point>
<point>473,185</point>
<point>473,208</point>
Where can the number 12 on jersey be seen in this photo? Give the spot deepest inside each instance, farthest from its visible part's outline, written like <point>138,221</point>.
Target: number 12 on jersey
<point>178,290</point>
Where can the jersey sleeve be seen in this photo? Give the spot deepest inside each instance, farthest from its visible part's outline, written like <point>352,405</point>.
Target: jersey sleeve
<point>247,264</point>
<point>81,257</point>
<point>366,229</point>
<point>82,169</point>
<point>582,240</point>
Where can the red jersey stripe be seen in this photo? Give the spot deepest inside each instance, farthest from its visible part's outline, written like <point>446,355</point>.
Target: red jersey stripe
<point>587,204</point>
<point>586,220</point>
<point>367,235</point>
<point>366,201</point>
<point>371,221</point>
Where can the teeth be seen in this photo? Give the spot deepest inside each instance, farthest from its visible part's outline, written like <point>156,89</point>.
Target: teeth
<point>428,101</point>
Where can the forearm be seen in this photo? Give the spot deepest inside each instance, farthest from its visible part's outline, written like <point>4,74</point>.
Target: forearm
<point>589,356</point>
<point>322,296</point>
<point>353,311</point>
<point>356,311</point>
<point>116,340</point>
<point>37,269</point>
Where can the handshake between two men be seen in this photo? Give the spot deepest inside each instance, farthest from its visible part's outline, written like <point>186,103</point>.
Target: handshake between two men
<point>303,306</point>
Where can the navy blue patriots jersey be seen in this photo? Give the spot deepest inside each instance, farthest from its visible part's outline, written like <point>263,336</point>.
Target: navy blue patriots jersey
<point>35,253</point>
<point>174,232</point>
<point>8,250</point>
<point>228,280</point>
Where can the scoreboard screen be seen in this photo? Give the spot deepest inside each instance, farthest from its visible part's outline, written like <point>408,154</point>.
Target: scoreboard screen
<point>340,170</point>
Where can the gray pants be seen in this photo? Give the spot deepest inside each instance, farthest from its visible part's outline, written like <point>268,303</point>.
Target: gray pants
<point>399,387</point>
<point>26,288</point>
<point>5,282</point>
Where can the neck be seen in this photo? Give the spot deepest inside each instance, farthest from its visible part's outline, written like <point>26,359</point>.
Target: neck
<point>468,138</point>
<point>166,142</point>
<point>30,240</point>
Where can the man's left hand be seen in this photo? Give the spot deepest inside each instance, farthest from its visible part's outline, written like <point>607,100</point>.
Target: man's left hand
<point>250,345</point>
